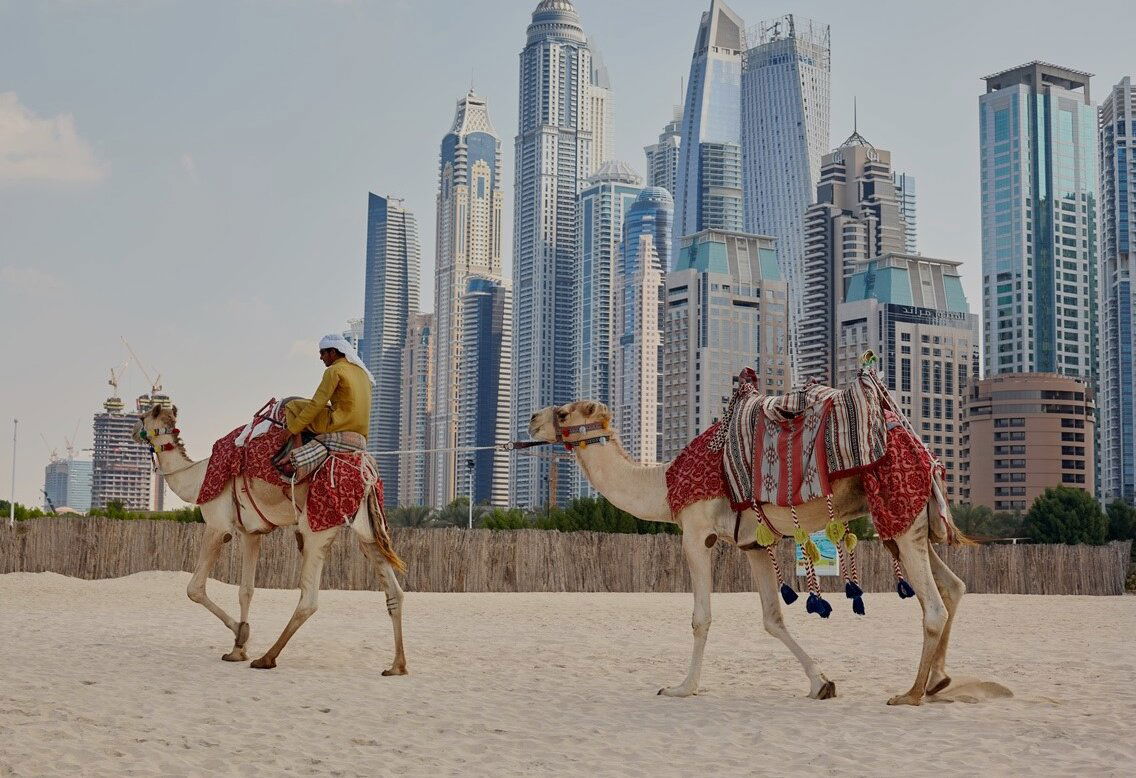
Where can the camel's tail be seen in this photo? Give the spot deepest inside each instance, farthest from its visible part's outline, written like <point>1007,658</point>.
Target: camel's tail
<point>941,524</point>
<point>381,532</point>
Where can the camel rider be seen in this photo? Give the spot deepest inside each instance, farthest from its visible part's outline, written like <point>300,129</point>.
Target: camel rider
<point>342,403</point>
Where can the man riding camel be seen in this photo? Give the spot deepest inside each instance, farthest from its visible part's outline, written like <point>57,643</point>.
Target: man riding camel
<point>342,403</point>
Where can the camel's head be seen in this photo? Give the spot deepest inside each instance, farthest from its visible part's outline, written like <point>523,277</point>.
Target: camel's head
<point>159,420</point>
<point>563,424</point>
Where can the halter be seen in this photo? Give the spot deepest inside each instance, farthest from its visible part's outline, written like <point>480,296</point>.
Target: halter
<point>148,436</point>
<point>580,429</point>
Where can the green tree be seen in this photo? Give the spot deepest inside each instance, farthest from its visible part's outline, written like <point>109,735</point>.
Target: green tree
<point>22,512</point>
<point>981,522</point>
<point>1065,515</point>
<point>862,528</point>
<point>1121,520</point>
<point>505,519</point>
<point>411,516</point>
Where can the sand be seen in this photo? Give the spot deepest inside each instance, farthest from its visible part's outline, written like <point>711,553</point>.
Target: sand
<point>123,677</point>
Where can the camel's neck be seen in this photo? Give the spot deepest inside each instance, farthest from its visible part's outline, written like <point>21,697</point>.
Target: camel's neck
<point>182,474</point>
<point>640,490</point>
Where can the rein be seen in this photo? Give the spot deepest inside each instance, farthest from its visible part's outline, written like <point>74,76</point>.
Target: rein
<point>580,429</point>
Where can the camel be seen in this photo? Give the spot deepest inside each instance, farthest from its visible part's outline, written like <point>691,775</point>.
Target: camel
<point>641,490</point>
<point>223,520</point>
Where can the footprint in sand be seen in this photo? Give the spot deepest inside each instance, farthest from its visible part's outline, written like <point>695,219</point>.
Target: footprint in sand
<point>972,690</point>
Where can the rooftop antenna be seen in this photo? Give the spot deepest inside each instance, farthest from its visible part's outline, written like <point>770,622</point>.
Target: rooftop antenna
<point>855,118</point>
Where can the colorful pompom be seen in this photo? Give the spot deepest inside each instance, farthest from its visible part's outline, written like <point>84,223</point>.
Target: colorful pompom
<point>800,536</point>
<point>787,594</point>
<point>835,530</point>
<point>850,540</point>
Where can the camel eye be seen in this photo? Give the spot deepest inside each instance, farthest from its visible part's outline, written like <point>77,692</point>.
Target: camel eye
<point>561,415</point>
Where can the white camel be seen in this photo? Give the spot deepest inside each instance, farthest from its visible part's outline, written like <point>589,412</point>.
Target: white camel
<point>642,491</point>
<point>224,519</point>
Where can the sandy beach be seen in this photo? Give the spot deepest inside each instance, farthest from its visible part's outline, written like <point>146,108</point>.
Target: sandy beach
<point>123,677</point>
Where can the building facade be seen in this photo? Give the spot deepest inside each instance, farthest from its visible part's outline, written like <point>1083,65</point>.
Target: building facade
<point>1023,433</point>
<point>662,156</point>
<point>483,405</point>
<point>415,471</point>
<point>905,193</point>
<point>555,154</point>
<point>354,335</point>
<point>785,132</point>
<point>393,268</point>
<point>855,218</point>
<point>121,469</point>
<point>726,309</point>
<point>912,312</point>
<point>637,388</point>
<point>708,193</point>
<point>1038,165</point>
<point>1117,401</point>
<point>468,243</point>
<point>67,484</point>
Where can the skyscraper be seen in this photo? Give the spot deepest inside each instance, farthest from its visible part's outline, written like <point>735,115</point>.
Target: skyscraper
<point>1117,398</point>
<point>416,419</point>
<point>555,154</point>
<point>469,243</point>
<point>121,470</point>
<point>602,110</point>
<point>636,392</point>
<point>785,132</point>
<point>905,193</point>
<point>67,484</point>
<point>483,404</point>
<point>855,217</point>
<point>662,156</point>
<point>727,309</point>
<point>709,189</point>
<point>1038,163</point>
<point>390,298</point>
<point>604,202</point>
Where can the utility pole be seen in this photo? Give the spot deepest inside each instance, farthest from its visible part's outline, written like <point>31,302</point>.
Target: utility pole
<point>469,467</point>
<point>12,504</point>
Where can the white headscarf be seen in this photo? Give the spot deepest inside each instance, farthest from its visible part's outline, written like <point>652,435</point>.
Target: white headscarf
<point>337,341</point>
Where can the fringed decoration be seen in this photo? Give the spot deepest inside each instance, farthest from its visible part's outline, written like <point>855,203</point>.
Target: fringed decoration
<point>815,604</point>
<point>902,587</point>
<point>766,536</point>
<point>845,543</point>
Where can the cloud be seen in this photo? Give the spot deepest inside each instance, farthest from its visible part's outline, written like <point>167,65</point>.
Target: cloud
<point>38,149</point>
<point>24,281</point>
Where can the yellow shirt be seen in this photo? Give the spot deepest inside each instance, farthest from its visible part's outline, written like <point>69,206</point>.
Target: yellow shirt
<point>346,387</point>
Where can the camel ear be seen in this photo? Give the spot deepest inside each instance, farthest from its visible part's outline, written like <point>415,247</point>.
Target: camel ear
<point>588,409</point>
<point>156,411</point>
<point>174,410</point>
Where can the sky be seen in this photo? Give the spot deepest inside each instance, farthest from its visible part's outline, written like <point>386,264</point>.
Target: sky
<point>192,175</point>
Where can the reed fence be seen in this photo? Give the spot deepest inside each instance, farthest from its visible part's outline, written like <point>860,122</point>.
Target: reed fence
<point>458,560</point>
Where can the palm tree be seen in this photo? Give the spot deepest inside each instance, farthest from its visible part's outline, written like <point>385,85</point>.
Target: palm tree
<point>412,516</point>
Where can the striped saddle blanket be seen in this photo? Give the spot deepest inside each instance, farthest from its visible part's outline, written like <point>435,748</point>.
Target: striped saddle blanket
<point>787,449</point>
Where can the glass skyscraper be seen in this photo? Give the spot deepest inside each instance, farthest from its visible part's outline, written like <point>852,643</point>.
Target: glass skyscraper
<point>555,154</point>
<point>393,267</point>
<point>905,198</point>
<point>785,132</point>
<point>709,187</point>
<point>1117,401</point>
<point>662,156</point>
<point>1038,163</point>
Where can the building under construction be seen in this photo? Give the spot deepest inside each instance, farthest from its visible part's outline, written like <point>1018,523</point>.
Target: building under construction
<point>123,470</point>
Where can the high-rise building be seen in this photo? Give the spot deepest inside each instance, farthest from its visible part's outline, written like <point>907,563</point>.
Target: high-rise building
<point>394,259</point>
<point>912,312</point>
<point>636,392</point>
<point>469,243</point>
<point>905,192</point>
<point>417,375</point>
<point>785,132</point>
<point>602,111</point>
<point>67,484</point>
<point>662,156</point>
<point>121,470</point>
<point>1023,433</point>
<point>708,193</point>
<point>354,335</point>
<point>603,205</point>
<point>1117,398</point>
<point>483,404</point>
<point>1038,164</point>
<point>727,309</point>
<point>855,217</point>
<point>555,154</point>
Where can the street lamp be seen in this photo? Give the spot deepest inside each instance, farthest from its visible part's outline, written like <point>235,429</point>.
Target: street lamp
<point>469,467</point>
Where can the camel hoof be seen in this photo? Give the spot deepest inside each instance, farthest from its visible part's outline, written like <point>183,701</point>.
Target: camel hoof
<point>943,684</point>
<point>264,663</point>
<point>235,656</point>
<point>395,671</point>
<point>675,691</point>
<point>826,692</point>
<point>906,699</point>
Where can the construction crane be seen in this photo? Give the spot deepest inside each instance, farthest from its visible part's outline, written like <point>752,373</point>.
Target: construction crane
<point>50,504</point>
<point>53,452</point>
<point>71,441</point>
<point>155,383</point>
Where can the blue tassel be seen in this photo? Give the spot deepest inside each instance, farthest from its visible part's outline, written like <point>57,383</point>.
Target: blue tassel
<point>904,589</point>
<point>818,605</point>
<point>852,590</point>
<point>787,594</point>
<point>858,606</point>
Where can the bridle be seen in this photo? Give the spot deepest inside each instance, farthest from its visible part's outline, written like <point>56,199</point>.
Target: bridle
<point>148,437</point>
<point>562,433</point>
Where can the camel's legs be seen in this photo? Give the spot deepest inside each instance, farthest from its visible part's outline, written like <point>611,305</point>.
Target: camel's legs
<point>311,568</point>
<point>820,688</point>
<point>250,551</point>
<point>206,558</point>
<point>914,555</point>
<point>394,605</point>
<point>698,561</point>
<point>951,588</point>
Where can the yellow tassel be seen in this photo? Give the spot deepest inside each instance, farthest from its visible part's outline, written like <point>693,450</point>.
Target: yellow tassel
<point>835,530</point>
<point>800,536</point>
<point>812,550</point>
<point>850,540</point>
<point>764,536</point>
<point>583,444</point>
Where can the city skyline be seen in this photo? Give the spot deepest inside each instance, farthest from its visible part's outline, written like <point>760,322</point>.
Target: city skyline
<point>119,230</point>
